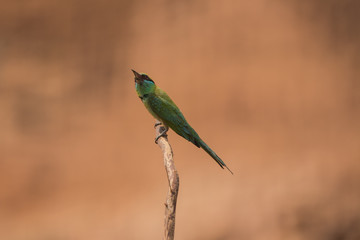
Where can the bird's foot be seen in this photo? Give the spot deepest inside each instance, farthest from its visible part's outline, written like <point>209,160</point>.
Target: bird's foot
<point>162,134</point>
<point>157,124</point>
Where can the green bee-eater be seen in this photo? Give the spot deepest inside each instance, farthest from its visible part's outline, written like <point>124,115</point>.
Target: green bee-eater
<point>160,105</point>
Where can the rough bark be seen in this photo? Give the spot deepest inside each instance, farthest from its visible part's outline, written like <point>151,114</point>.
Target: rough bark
<point>173,179</point>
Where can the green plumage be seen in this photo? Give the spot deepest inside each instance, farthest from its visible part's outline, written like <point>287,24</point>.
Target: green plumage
<point>160,105</point>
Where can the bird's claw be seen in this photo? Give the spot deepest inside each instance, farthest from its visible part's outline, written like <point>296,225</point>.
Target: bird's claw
<point>162,134</point>
<point>157,124</point>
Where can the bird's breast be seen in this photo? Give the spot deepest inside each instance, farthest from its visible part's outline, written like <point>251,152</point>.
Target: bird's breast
<point>150,104</point>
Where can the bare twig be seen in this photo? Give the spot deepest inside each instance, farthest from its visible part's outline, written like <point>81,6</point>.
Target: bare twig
<point>173,178</point>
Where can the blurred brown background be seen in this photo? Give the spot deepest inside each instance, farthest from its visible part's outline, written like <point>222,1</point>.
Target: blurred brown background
<point>272,86</point>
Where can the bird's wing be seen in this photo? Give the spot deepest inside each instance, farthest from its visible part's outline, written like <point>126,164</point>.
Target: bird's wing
<point>162,105</point>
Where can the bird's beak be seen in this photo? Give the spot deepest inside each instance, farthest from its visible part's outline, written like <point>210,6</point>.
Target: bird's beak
<point>137,75</point>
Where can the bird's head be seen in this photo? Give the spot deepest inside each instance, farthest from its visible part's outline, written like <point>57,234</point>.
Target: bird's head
<point>143,83</point>
<point>141,78</point>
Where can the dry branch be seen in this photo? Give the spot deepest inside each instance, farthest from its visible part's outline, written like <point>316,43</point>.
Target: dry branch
<point>173,178</point>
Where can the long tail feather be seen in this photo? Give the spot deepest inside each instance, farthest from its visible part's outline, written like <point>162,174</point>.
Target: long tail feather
<point>213,155</point>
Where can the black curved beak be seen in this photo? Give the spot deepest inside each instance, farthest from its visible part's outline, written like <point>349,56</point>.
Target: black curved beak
<point>137,75</point>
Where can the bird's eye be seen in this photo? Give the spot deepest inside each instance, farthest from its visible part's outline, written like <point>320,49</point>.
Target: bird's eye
<point>146,77</point>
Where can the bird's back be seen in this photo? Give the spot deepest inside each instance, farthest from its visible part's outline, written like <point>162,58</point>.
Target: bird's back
<point>165,110</point>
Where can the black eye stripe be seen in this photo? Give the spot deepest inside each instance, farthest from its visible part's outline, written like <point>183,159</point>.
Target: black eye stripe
<point>146,77</point>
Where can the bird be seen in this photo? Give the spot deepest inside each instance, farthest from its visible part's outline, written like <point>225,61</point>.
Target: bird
<point>162,108</point>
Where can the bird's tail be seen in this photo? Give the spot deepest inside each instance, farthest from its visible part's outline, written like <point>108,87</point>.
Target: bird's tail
<point>213,154</point>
